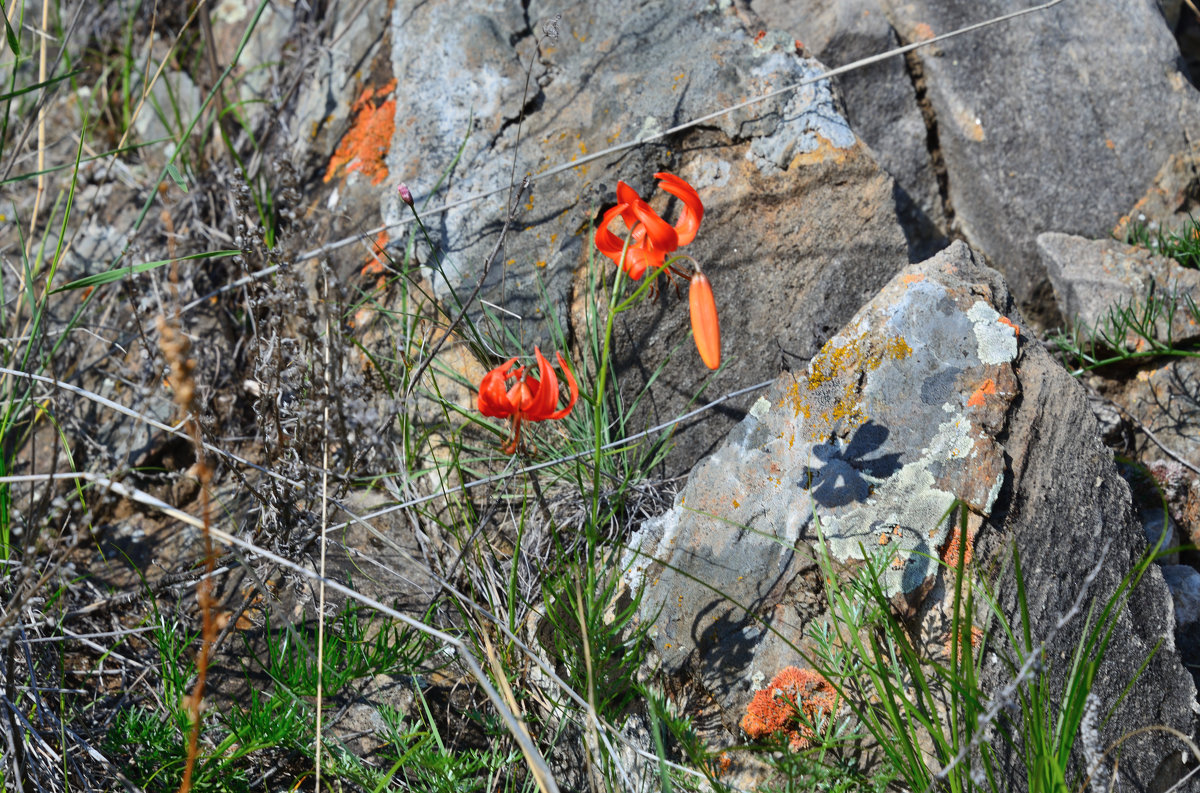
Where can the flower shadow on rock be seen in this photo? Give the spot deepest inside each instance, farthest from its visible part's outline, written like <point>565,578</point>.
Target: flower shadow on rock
<point>840,480</point>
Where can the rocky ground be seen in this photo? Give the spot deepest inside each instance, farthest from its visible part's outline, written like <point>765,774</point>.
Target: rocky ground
<point>958,300</point>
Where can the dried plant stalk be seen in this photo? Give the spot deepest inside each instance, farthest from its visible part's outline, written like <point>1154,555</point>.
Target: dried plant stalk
<point>175,347</point>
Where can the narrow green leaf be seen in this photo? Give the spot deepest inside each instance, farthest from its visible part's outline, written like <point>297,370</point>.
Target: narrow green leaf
<point>35,86</point>
<point>14,43</point>
<point>121,272</point>
<point>176,177</point>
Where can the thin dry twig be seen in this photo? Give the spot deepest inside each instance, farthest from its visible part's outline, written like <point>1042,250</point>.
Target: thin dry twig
<point>324,528</point>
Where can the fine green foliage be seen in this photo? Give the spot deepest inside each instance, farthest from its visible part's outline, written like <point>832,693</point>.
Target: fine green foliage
<point>1134,332</point>
<point>1142,328</point>
<point>1181,244</point>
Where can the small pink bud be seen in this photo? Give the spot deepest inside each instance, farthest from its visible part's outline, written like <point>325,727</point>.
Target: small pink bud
<point>405,194</point>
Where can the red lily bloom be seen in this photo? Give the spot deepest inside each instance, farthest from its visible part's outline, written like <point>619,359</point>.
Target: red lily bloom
<point>528,399</point>
<point>652,237</point>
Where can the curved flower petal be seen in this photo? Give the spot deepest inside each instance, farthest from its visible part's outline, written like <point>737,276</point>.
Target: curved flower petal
<point>658,232</point>
<point>638,260</point>
<point>608,243</point>
<point>523,393</point>
<point>626,194</point>
<point>572,386</point>
<point>705,328</point>
<point>693,208</point>
<point>546,396</point>
<point>493,397</point>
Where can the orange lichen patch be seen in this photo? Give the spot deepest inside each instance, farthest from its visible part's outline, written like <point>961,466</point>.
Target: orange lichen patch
<point>719,765</point>
<point>912,278</point>
<point>922,32</point>
<point>977,398</point>
<point>949,554</point>
<point>1109,143</point>
<point>970,124</point>
<point>1006,321</point>
<point>778,707</point>
<point>365,145</point>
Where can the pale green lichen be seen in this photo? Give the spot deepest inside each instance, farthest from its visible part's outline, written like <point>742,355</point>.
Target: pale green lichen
<point>996,342</point>
<point>760,408</point>
<point>953,440</point>
<point>914,513</point>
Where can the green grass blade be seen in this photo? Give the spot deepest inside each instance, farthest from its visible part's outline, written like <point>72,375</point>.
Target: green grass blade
<point>109,276</point>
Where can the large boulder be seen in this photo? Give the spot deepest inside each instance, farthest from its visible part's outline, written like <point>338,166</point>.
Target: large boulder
<point>799,229</point>
<point>1037,128</point>
<point>932,395</point>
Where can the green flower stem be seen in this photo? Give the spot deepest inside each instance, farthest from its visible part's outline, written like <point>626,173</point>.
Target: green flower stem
<point>601,377</point>
<point>615,308</point>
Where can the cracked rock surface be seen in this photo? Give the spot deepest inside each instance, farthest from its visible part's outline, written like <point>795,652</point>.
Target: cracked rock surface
<point>931,395</point>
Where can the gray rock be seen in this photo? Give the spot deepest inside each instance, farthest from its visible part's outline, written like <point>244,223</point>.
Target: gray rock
<point>930,394</point>
<point>1094,278</point>
<point>1165,399</point>
<point>1157,524</point>
<point>337,68</point>
<point>1042,130</point>
<point>1184,583</point>
<point>1171,201</point>
<point>799,229</point>
<point>1030,125</point>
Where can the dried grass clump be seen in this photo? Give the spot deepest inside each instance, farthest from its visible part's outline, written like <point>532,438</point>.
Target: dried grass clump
<point>778,708</point>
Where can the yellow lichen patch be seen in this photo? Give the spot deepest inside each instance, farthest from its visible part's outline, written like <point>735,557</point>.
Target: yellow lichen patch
<point>364,147</point>
<point>832,363</point>
<point>835,360</point>
<point>825,151</point>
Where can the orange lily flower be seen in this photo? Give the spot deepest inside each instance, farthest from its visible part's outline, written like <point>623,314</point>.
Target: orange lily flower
<point>652,237</point>
<point>528,399</point>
